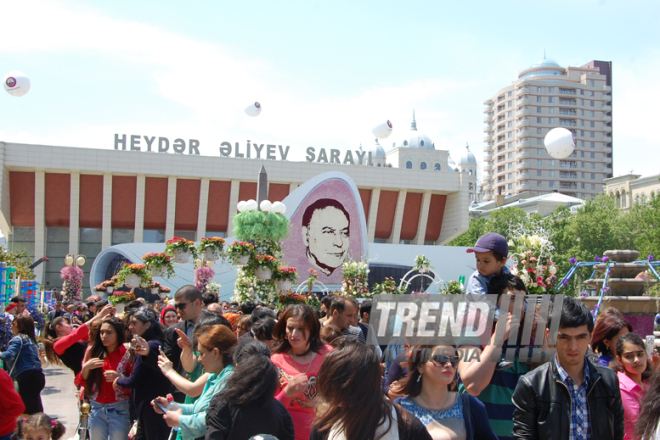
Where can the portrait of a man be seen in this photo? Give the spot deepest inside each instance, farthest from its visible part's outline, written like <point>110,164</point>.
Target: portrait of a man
<point>326,234</point>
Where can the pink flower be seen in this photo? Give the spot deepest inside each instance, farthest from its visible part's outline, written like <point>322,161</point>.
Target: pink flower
<point>524,261</point>
<point>529,269</point>
<point>529,252</point>
<point>539,280</point>
<point>533,259</point>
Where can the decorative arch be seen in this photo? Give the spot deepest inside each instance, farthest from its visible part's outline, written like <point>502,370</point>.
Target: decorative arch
<point>437,167</point>
<point>409,165</point>
<point>618,199</point>
<point>624,201</point>
<point>422,166</point>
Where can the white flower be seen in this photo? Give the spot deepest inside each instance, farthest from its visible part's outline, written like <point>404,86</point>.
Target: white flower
<point>552,270</point>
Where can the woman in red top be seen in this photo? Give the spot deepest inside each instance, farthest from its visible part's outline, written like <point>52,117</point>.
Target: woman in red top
<point>107,359</point>
<point>298,357</point>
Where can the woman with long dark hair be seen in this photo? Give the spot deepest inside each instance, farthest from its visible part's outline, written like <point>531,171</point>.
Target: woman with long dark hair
<point>146,382</point>
<point>606,332</point>
<point>430,396</point>
<point>23,356</point>
<point>247,406</point>
<point>106,360</point>
<point>64,345</point>
<point>633,370</point>
<point>298,357</point>
<point>349,383</point>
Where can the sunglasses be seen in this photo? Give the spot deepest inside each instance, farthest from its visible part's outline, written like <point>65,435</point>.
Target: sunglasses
<point>181,306</point>
<point>442,359</point>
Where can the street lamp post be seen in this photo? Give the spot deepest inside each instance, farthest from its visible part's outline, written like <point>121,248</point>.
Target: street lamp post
<point>75,260</point>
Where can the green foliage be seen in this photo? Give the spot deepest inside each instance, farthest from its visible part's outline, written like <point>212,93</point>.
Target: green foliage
<point>19,260</point>
<point>259,225</point>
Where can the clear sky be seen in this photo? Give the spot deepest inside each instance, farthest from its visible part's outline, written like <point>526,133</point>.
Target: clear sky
<point>325,72</point>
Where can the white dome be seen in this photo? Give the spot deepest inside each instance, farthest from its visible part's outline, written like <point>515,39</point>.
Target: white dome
<point>468,157</point>
<point>377,150</point>
<point>417,139</point>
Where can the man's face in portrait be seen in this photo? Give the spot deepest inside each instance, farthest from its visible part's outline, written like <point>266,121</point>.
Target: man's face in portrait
<point>327,239</point>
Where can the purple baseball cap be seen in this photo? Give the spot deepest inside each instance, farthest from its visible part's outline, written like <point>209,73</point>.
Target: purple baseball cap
<point>491,242</point>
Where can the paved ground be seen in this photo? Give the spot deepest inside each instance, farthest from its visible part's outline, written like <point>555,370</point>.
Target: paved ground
<point>59,398</point>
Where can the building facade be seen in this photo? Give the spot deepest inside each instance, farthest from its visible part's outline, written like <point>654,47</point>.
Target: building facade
<point>632,188</point>
<point>519,116</point>
<point>58,200</point>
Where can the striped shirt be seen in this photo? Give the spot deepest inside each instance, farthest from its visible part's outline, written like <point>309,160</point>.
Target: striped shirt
<point>580,429</point>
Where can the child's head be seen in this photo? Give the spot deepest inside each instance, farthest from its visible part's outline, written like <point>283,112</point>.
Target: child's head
<point>491,251</point>
<point>38,427</point>
<point>506,284</point>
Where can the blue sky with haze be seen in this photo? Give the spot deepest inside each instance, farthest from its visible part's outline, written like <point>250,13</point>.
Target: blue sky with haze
<point>326,73</point>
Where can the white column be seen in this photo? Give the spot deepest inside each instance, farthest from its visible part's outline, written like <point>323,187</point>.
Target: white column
<point>233,200</point>
<point>373,214</point>
<point>171,207</point>
<point>203,208</point>
<point>106,232</point>
<point>74,214</point>
<point>423,218</point>
<point>138,236</point>
<point>398,218</point>
<point>39,221</point>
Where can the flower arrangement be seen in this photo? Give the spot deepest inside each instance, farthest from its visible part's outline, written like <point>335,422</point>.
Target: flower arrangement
<point>120,297</point>
<point>532,255</point>
<point>284,273</point>
<point>93,298</point>
<point>38,317</point>
<point>422,264</point>
<point>164,289</point>
<point>311,279</point>
<point>355,279</point>
<point>213,245</point>
<point>213,287</point>
<point>249,288</point>
<point>203,275</point>
<point>100,288</point>
<point>134,269</point>
<point>453,288</point>
<point>178,244</point>
<point>5,332</point>
<point>72,285</point>
<point>240,248</point>
<point>387,287</point>
<point>290,297</point>
<point>157,262</point>
<point>260,225</point>
<point>154,285</point>
<point>266,262</point>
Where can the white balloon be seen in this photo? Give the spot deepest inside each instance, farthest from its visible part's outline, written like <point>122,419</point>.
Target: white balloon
<point>559,143</point>
<point>279,208</point>
<point>265,206</point>
<point>241,206</point>
<point>251,205</point>
<point>16,83</point>
<point>253,109</point>
<point>383,131</point>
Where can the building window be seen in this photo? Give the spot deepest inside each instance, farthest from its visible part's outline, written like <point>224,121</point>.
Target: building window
<point>623,199</point>
<point>593,166</point>
<point>422,166</point>
<point>592,83</point>
<point>509,155</point>
<point>469,172</point>
<point>153,236</point>
<point>120,236</point>
<point>509,134</point>
<point>551,99</point>
<point>551,90</point>
<point>551,173</point>
<point>539,162</point>
<point>592,124</point>
<point>539,173</point>
<point>592,114</point>
<point>582,166</point>
<point>510,186</point>
<point>471,186</point>
<point>593,155</point>
<point>539,183</point>
<point>551,162</point>
<point>538,109</point>
<point>551,184</point>
<point>510,165</point>
<point>437,167</point>
<point>539,152</point>
<point>510,114</point>
<point>538,120</point>
<point>592,103</point>
<point>582,182</point>
<point>539,99</point>
<point>592,134</point>
<point>551,110</point>
<point>593,144</point>
<point>539,142</point>
<point>581,92</point>
<point>582,123</point>
<point>593,186</point>
<point>509,94</point>
<point>581,153</point>
<point>582,143</point>
<point>510,145</point>
<point>188,235</point>
<point>551,120</point>
<point>593,176</point>
<point>409,165</point>
<point>539,130</point>
<point>509,104</point>
<point>539,89</point>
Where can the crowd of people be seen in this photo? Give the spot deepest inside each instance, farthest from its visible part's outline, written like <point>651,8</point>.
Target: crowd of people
<point>199,368</point>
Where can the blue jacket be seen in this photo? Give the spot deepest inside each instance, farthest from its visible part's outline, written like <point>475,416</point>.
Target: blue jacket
<point>477,284</point>
<point>22,354</point>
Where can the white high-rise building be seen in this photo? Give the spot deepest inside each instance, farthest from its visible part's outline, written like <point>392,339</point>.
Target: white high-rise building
<point>519,116</point>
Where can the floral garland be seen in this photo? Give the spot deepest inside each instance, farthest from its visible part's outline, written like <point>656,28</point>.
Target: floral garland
<point>355,279</point>
<point>157,260</point>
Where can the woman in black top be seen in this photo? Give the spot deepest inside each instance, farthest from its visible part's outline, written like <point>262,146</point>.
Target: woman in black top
<point>349,385</point>
<point>247,406</point>
<point>146,383</point>
<point>65,345</point>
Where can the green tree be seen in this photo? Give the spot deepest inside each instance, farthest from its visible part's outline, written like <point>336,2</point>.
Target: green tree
<point>468,238</point>
<point>20,260</point>
<point>645,220</point>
